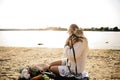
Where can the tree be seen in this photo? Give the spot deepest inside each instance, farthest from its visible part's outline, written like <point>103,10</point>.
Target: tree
<point>106,29</point>
<point>101,29</point>
<point>115,29</point>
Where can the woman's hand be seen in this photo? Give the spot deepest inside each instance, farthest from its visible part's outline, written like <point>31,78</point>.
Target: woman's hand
<point>71,41</point>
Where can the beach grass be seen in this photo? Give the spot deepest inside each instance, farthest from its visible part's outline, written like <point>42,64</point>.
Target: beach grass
<point>101,64</point>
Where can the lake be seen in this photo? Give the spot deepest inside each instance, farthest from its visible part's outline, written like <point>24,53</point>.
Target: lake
<point>56,39</point>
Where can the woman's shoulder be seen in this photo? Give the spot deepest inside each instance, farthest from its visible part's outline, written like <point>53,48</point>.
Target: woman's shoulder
<point>84,40</point>
<point>83,43</point>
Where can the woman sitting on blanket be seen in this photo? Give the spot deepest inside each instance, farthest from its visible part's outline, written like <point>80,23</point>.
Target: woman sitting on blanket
<point>80,45</point>
<point>75,56</point>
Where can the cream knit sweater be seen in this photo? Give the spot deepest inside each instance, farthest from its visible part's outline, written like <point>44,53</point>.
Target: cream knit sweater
<point>81,51</point>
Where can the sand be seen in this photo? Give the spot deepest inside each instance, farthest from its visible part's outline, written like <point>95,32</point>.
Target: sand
<point>101,64</point>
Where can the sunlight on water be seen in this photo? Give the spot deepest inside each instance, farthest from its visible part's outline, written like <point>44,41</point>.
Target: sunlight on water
<point>56,39</point>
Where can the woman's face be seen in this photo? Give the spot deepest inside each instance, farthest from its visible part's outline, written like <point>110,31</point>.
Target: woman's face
<point>70,31</point>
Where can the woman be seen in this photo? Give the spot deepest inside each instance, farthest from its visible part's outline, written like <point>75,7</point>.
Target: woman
<point>67,65</point>
<point>75,56</point>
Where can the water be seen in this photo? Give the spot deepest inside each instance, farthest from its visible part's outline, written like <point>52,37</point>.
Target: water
<point>56,39</point>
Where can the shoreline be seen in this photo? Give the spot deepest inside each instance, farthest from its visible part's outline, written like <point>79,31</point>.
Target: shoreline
<point>101,63</point>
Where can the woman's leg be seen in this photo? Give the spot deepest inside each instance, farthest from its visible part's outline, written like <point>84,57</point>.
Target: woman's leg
<point>41,67</point>
<point>54,69</point>
<point>54,66</point>
<point>56,63</point>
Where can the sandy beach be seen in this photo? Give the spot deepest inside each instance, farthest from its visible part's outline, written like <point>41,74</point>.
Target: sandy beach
<point>101,64</point>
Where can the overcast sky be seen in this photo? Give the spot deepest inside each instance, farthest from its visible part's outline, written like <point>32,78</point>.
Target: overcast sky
<point>46,13</point>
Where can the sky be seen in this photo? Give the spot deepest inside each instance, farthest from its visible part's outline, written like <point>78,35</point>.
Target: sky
<point>59,13</point>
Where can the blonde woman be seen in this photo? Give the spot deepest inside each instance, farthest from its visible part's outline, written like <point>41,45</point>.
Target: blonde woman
<point>68,65</point>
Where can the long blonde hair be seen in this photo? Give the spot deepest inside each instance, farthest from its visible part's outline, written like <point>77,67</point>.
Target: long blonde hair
<point>76,33</point>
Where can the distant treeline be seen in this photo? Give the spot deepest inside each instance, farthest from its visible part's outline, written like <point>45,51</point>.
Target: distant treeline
<point>102,29</point>
<point>65,29</point>
<point>56,28</point>
<point>37,29</point>
<point>87,29</point>
<point>21,29</point>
